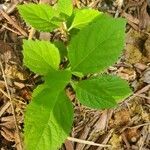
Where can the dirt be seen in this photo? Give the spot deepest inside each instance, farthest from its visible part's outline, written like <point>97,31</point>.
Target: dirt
<point>127,127</point>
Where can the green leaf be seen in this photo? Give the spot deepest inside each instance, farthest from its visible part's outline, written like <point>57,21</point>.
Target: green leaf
<point>83,17</point>
<point>102,92</point>
<point>98,45</point>
<point>48,120</point>
<point>40,16</point>
<point>65,6</point>
<point>62,48</point>
<point>49,116</point>
<point>40,56</point>
<point>60,77</point>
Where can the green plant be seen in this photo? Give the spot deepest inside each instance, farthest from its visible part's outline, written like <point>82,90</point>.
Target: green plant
<point>95,41</point>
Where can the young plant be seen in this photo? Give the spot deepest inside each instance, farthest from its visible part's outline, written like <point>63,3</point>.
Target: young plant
<point>95,41</point>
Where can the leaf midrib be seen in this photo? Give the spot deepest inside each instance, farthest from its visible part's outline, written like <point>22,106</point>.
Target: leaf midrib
<point>48,119</point>
<point>83,59</point>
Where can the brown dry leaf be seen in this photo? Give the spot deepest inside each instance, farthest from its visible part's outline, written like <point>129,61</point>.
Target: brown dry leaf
<point>7,122</point>
<point>140,66</point>
<point>69,145</point>
<point>7,134</point>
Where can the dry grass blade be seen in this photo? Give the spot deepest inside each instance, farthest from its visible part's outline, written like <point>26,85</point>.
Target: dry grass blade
<point>87,142</point>
<point>11,30</point>
<point>138,126</point>
<point>138,93</point>
<point>13,23</point>
<point>17,138</point>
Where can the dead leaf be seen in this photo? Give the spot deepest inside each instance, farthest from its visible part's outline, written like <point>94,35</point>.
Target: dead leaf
<point>7,134</point>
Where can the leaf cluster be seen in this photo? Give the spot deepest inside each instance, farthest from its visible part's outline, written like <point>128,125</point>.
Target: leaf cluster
<point>96,44</point>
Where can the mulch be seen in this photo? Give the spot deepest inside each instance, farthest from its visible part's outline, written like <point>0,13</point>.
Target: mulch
<point>127,127</point>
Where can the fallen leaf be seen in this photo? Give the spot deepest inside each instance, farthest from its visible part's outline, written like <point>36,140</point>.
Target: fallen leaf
<point>7,134</point>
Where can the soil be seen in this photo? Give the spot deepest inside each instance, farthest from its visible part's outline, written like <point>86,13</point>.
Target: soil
<point>126,127</point>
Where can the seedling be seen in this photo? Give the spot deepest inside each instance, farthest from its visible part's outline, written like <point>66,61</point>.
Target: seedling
<point>95,42</point>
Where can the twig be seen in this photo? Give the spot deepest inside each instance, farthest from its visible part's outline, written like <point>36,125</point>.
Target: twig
<point>3,92</point>
<point>4,108</point>
<point>31,33</point>
<point>143,138</point>
<point>138,126</point>
<point>142,96</point>
<point>108,136</point>
<point>87,142</point>
<point>138,93</point>
<point>93,4</point>
<point>13,23</point>
<point>11,30</point>
<point>124,138</point>
<point>18,141</point>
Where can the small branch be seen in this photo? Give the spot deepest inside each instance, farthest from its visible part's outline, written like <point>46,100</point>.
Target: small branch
<point>31,33</point>
<point>18,138</point>
<point>138,126</point>
<point>142,96</point>
<point>87,142</point>
<point>138,94</point>
<point>18,33</point>
<point>11,21</point>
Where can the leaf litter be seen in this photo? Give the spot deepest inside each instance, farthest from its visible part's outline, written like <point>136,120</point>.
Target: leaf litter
<point>127,126</point>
